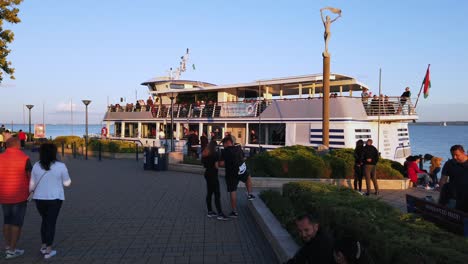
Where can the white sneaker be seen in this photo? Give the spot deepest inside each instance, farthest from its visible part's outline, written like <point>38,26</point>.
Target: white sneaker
<point>13,254</point>
<point>50,254</point>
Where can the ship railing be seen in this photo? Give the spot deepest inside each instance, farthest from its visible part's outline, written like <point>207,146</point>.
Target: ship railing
<point>384,106</point>
<point>388,106</point>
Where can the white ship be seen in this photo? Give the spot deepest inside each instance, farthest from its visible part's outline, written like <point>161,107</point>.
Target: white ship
<point>281,111</point>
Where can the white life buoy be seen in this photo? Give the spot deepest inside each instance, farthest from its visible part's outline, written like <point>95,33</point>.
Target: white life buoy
<point>250,109</point>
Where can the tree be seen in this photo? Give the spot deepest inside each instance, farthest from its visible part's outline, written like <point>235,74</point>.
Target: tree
<point>8,13</point>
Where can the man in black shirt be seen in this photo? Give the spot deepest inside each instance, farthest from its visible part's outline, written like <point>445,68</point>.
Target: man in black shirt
<point>232,158</point>
<point>318,244</point>
<point>456,171</point>
<point>370,157</point>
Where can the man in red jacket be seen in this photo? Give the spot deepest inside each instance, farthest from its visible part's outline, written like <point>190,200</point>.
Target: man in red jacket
<point>22,138</point>
<point>15,172</point>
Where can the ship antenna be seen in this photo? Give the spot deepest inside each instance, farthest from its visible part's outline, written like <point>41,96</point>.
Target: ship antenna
<point>175,75</point>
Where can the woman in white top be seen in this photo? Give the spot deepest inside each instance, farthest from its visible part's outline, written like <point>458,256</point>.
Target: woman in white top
<point>48,177</point>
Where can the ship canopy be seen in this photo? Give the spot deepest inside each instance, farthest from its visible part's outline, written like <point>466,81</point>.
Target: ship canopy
<point>286,86</point>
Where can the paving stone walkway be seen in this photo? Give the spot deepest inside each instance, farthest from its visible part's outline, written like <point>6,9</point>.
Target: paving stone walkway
<point>115,212</point>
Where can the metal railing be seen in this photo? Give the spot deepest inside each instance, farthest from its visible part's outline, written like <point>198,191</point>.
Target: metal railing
<point>384,106</point>
<point>388,106</point>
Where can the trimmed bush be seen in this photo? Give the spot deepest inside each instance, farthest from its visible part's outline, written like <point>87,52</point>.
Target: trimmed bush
<point>68,140</point>
<point>304,162</point>
<point>390,236</point>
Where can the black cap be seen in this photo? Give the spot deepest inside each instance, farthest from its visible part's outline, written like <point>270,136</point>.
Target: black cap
<point>428,157</point>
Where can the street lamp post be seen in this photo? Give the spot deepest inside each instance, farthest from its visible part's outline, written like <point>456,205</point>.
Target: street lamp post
<point>86,103</point>
<point>29,135</point>
<point>172,95</point>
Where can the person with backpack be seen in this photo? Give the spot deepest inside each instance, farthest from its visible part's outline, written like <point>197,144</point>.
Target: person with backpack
<point>232,158</point>
<point>210,162</point>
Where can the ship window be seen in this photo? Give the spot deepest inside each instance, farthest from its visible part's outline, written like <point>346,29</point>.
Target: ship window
<point>270,134</point>
<point>362,130</point>
<point>403,152</point>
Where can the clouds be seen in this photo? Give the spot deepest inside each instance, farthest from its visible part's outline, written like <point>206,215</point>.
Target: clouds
<point>66,107</point>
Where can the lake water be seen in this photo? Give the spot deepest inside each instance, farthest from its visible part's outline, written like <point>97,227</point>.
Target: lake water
<point>61,130</point>
<point>435,140</point>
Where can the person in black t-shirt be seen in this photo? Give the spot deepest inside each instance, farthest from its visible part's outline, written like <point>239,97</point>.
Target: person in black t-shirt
<point>318,243</point>
<point>210,159</point>
<point>456,171</point>
<point>232,158</point>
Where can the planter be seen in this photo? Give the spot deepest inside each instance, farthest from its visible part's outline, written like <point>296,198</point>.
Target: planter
<point>262,182</point>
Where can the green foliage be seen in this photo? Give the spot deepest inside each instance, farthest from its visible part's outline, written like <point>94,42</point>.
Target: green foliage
<point>390,236</point>
<point>191,160</point>
<point>303,162</point>
<point>114,146</point>
<point>68,140</point>
<point>8,13</point>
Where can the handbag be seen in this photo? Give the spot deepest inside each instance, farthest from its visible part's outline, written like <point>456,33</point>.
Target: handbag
<point>31,193</point>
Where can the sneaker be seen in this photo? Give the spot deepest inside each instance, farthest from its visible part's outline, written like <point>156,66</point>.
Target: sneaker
<point>43,250</point>
<point>50,254</point>
<point>429,188</point>
<point>211,214</point>
<point>233,214</point>
<point>222,217</point>
<point>366,194</point>
<point>13,254</point>
<point>377,193</point>
<point>250,197</point>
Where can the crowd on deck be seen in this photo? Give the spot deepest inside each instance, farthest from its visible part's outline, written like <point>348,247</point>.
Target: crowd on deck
<point>384,105</point>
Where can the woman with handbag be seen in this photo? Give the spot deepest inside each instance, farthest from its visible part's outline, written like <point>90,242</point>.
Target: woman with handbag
<point>48,177</point>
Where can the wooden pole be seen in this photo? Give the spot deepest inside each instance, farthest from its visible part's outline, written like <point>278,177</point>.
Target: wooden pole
<point>326,101</point>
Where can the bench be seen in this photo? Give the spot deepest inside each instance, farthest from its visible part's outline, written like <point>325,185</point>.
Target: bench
<point>449,219</point>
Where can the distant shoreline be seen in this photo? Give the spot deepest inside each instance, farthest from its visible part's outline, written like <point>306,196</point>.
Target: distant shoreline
<point>440,123</point>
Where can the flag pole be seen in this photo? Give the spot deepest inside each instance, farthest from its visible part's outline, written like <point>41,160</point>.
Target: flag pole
<point>420,89</point>
<point>380,101</point>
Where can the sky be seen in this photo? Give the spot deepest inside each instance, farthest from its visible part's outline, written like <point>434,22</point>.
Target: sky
<point>66,51</point>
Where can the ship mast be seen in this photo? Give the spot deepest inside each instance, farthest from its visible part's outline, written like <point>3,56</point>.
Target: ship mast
<point>175,75</point>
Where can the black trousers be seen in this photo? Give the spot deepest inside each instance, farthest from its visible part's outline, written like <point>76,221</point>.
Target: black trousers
<point>212,186</point>
<point>358,174</point>
<point>49,211</point>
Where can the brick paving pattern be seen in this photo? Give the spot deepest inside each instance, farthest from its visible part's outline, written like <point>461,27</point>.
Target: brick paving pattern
<point>115,212</point>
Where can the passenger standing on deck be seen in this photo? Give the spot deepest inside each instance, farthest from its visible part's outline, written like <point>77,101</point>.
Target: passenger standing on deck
<point>47,180</point>
<point>455,171</point>
<point>15,171</point>
<point>370,157</point>
<point>435,169</point>
<point>358,165</point>
<point>232,158</point>
<point>210,159</point>
<point>203,141</point>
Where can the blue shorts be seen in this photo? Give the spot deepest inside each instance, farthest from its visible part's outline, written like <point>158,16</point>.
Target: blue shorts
<point>13,214</point>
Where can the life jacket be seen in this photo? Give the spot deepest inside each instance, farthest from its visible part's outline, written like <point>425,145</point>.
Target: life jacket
<point>14,182</point>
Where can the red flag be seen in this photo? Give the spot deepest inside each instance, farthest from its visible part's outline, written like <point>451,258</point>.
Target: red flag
<point>427,82</point>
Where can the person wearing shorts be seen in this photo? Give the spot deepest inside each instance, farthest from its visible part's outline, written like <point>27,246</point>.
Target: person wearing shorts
<point>15,172</point>
<point>232,157</point>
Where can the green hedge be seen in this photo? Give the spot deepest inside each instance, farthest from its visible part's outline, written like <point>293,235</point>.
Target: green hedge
<point>303,162</point>
<point>68,140</point>
<point>106,145</point>
<point>390,236</point>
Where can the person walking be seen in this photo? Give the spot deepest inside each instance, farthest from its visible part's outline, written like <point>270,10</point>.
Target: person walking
<point>210,159</point>
<point>47,180</point>
<point>22,138</point>
<point>370,157</point>
<point>15,171</point>
<point>358,165</point>
<point>232,157</point>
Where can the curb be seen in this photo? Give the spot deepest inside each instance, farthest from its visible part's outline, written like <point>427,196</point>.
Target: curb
<point>280,240</point>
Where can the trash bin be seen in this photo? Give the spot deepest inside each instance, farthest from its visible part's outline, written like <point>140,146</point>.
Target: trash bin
<point>160,159</point>
<point>148,157</point>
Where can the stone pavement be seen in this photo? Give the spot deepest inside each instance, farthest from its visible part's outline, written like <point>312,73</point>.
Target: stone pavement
<point>115,212</point>
<point>397,198</point>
